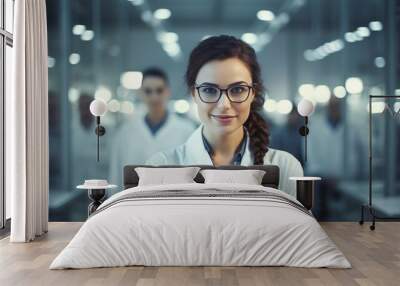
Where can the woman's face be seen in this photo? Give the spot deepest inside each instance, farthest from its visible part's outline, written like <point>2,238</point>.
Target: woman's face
<point>223,116</point>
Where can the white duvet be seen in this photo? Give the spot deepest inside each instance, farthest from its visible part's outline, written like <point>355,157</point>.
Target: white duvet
<point>183,231</point>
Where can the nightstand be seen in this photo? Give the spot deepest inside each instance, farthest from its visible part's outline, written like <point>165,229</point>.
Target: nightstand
<point>305,190</point>
<point>96,192</point>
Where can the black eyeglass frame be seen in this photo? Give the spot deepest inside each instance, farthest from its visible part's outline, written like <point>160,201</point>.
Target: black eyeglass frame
<point>221,90</point>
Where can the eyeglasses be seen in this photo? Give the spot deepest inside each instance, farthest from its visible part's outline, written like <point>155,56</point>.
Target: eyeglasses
<point>150,91</point>
<point>212,94</point>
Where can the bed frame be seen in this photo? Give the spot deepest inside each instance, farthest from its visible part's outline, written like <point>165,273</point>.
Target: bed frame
<point>270,179</point>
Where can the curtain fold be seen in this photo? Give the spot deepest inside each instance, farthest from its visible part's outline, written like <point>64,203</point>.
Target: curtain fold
<point>27,133</point>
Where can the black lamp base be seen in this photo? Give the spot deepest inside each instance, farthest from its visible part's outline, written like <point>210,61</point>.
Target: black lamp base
<point>371,211</point>
<point>97,196</point>
<point>305,193</point>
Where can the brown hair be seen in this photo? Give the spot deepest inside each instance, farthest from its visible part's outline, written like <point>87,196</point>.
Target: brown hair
<point>224,47</point>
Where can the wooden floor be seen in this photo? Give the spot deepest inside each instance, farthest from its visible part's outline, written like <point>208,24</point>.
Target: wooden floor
<point>375,257</point>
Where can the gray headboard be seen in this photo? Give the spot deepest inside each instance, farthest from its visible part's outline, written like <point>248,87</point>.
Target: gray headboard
<point>271,177</point>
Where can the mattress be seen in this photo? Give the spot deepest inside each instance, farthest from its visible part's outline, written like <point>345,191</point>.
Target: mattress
<point>201,225</point>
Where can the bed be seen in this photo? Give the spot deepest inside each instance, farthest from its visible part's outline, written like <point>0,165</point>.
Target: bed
<point>198,224</point>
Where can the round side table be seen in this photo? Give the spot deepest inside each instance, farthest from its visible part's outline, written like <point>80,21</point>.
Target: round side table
<point>305,190</point>
<point>96,195</point>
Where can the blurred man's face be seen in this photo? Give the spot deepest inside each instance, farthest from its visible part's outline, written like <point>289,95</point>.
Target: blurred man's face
<point>155,93</point>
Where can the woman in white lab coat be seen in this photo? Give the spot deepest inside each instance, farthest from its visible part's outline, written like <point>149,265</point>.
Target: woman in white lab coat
<point>224,78</point>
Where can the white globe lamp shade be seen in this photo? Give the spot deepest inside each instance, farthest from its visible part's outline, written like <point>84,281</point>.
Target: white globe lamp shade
<point>98,107</point>
<point>305,107</point>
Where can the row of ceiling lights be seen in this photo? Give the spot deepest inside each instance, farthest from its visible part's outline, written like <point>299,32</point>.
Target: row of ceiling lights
<point>337,45</point>
<point>124,106</point>
<point>168,40</point>
<point>272,24</point>
<point>262,15</point>
<point>353,85</point>
<point>322,93</point>
<point>85,35</point>
<point>182,106</point>
<point>318,94</point>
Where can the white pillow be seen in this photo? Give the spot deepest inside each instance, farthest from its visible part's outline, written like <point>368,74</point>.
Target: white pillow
<point>248,177</point>
<point>164,176</point>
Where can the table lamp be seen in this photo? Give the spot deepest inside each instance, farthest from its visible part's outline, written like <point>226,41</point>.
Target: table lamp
<point>98,108</point>
<point>305,108</point>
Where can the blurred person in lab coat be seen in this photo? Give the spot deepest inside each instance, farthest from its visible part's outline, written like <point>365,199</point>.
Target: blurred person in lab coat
<point>154,130</point>
<point>334,158</point>
<point>224,79</point>
<point>327,145</point>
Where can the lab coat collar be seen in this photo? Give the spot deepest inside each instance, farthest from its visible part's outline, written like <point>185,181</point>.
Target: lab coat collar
<point>197,154</point>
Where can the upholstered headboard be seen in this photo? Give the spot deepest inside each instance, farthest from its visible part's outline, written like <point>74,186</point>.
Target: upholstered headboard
<point>270,179</point>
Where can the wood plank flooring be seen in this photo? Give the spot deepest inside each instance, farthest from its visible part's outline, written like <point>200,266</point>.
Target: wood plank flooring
<point>375,257</point>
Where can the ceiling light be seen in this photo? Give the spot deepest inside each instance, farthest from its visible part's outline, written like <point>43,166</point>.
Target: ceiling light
<point>147,16</point>
<point>376,107</point>
<point>322,93</point>
<point>339,91</point>
<point>136,2</point>
<point>306,90</point>
<point>181,106</point>
<point>380,62</point>
<point>167,37</point>
<point>73,95</point>
<point>375,26</point>
<point>265,15</point>
<point>88,35</point>
<point>249,38</point>
<point>172,49</point>
<point>127,107</point>
<point>162,14</point>
<point>103,93</point>
<point>363,32</point>
<point>284,106</point>
<point>74,58</point>
<point>354,85</point>
<point>350,37</point>
<point>114,105</point>
<point>309,55</point>
<point>131,79</point>
<point>270,105</point>
<point>78,29</point>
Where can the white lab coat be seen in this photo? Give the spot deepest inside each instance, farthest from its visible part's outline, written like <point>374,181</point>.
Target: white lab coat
<point>193,152</point>
<point>134,143</point>
<point>326,146</point>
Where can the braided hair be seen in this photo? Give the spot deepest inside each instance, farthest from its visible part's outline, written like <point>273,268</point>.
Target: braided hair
<point>224,47</point>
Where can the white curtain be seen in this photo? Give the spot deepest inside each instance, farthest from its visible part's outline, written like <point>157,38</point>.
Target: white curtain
<point>27,124</point>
